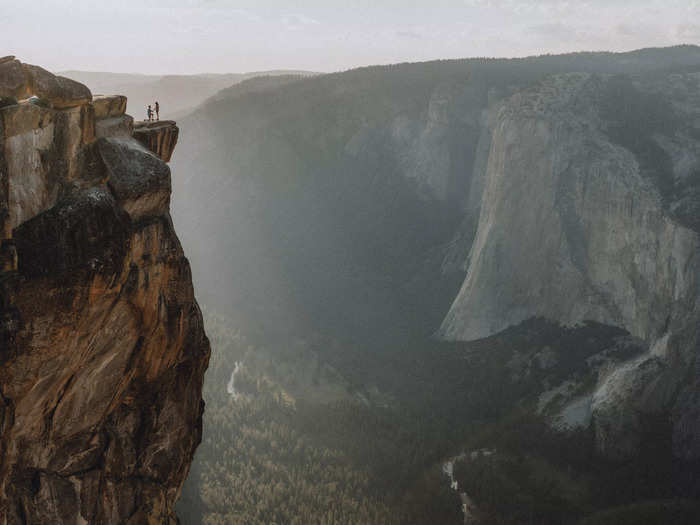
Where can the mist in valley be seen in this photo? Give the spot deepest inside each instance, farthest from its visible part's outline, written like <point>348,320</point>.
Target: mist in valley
<point>440,289</point>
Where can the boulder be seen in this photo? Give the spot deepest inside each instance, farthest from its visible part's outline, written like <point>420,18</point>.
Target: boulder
<point>24,80</point>
<point>61,92</point>
<point>109,106</point>
<point>139,180</point>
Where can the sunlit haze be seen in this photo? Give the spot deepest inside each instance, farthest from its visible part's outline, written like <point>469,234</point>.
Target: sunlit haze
<point>196,36</point>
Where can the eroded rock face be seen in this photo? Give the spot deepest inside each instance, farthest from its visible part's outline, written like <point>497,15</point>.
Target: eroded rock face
<point>109,106</point>
<point>25,80</point>
<point>160,137</point>
<point>12,79</point>
<point>111,119</point>
<point>61,92</point>
<point>589,212</point>
<point>102,349</point>
<point>139,180</point>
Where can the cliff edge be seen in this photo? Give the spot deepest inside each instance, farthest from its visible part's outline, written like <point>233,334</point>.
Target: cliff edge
<point>102,347</point>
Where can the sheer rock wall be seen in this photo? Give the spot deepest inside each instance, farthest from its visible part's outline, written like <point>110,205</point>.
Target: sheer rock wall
<point>102,348</point>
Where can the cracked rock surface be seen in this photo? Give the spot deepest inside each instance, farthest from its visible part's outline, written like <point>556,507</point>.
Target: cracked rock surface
<point>102,348</point>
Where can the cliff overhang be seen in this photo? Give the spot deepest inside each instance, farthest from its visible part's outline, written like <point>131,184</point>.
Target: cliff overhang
<point>102,347</point>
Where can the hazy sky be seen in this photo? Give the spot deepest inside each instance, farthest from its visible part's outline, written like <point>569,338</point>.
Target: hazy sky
<point>194,36</point>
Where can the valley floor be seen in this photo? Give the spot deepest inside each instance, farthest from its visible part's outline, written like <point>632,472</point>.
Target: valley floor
<point>273,453</point>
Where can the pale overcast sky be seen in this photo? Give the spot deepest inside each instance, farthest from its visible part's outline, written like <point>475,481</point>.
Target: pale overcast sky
<point>195,36</point>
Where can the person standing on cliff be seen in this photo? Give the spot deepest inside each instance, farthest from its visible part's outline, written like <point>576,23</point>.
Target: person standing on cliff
<point>157,111</point>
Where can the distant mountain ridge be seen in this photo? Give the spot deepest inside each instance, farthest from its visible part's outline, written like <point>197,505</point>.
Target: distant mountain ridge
<point>510,211</point>
<point>363,201</point>
<point>368,152</point>
<point>175,93</point>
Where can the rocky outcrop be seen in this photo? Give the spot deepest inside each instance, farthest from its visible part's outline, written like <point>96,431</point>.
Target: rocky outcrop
<point>589,212</point>
<point>111,119</point>
<point>139,181</point>
<point>160,137</point>
<point>587,220</point>
<point>24,80</point>
<point>102,349</point>
<point>107,107</point>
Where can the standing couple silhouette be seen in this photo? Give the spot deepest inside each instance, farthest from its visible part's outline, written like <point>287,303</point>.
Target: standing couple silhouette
<point>151,112</point>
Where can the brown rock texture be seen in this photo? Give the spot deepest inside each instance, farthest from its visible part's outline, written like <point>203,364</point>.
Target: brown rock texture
<point>109,106</point>
<point>159,136</point>
<point>25,80</point>
<point>102,348</point>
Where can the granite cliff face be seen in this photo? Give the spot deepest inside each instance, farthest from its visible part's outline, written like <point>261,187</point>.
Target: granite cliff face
<point>589,212</point>
<point>460,198</point>
<point>102,349</point>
